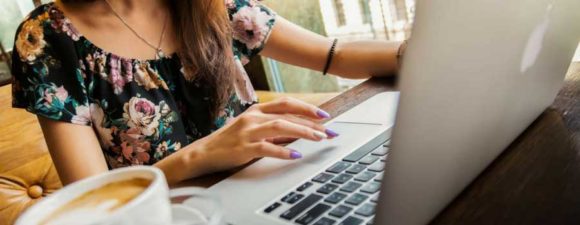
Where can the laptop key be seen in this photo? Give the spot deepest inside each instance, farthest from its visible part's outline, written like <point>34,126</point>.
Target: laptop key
<point>384,158</point>
<point>375,198</point>
<point>342,178</point>
<point>286,197</point>
<point>340,211</point>
<point>356,168</point>
<point>371,221</point>
<point>335,197</point>
<point>387,144</point>
<point>304,186</point>
<point>357,155</point>
<point>365,176</point>
<point>351,221</point>
<point>322,177</point>
<point>350,186</point>
<point>325,221</point>
<point>272,207</point>
<point>338,167</point>
<point>377,167</point>
<point>327,188</point>
<point>294,198</point>
<point>301,206</point>
<point>312,214</point>
<point>369,159</point>
<point>380,151</point>
<point>356,199</point>
<point>371,187</point>
<point>366,210</point>
<point>379,178</point>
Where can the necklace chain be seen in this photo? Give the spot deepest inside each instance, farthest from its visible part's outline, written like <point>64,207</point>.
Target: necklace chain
<point>158,51</point>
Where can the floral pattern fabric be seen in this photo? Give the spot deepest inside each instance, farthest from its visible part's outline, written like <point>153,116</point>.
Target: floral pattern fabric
<point>141,110</point>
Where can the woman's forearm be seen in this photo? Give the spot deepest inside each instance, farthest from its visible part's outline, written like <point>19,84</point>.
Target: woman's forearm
<point>352,59</point>
<point>71,164</point>
<point>360,59</point>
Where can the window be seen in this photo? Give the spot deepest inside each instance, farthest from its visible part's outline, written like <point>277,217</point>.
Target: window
<point>365,11</point>
<point>283,77</point>
<point>339,10</point>
<point>400,8</point>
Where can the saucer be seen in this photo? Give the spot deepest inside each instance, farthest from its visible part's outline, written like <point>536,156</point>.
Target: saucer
<point>183,215</point>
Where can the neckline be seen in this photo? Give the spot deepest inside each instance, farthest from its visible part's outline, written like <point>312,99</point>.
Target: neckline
<point>75,31</point>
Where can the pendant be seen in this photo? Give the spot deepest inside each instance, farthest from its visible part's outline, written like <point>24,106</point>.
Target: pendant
<point>159,54</point>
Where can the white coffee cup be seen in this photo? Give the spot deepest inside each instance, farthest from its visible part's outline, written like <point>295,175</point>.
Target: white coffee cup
<point>152,206</point>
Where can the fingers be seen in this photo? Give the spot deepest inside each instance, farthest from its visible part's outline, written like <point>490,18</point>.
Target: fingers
<point>284,128</point>
<point>281,140</point>
<point>259,118</point>
<point>265,149</point>
<point>293,106</point>
<point>297,120</point>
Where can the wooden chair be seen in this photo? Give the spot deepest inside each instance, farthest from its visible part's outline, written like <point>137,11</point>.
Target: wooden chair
<point>26,170</point>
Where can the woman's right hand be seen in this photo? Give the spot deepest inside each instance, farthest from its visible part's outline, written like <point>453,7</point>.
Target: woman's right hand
<point>249,136</point>
<point>252,133</point>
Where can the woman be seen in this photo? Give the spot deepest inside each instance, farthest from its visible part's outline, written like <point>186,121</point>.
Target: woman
<point>126,82</point>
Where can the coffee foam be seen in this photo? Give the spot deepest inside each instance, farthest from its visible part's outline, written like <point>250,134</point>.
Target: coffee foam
<point>98,203</point>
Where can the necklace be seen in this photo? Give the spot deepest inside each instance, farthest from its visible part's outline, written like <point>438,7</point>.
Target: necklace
<point>158,51</point>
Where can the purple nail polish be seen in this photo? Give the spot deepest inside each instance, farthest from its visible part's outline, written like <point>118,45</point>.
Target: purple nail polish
<point>322,114</point>
<point>331,133</point>
<point>295,154</point>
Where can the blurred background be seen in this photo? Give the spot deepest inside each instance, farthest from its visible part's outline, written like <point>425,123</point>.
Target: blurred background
<point>344,19</point>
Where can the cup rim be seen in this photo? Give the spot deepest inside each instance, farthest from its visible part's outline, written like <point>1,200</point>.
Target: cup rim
<point>158,179</point>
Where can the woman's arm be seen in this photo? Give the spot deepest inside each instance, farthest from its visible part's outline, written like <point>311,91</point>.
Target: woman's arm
<point>74,149</point>
<point>292,44</point>
<point>77,154</point>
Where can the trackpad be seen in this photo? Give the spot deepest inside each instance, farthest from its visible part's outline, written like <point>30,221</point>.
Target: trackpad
<point>380,109</point>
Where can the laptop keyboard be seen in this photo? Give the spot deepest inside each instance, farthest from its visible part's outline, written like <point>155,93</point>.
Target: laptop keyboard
<point>345,193</point>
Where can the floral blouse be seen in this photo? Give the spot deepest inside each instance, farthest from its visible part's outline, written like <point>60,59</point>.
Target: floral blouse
<point>141,110</point>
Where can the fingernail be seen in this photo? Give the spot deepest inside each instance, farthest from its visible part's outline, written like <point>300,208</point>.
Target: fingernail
<point>295,154</point>
<point>319,134</point>
<point>331,133</point>
<point>322,114</point>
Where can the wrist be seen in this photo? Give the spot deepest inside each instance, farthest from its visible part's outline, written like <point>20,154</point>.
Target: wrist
<point>184,164</point>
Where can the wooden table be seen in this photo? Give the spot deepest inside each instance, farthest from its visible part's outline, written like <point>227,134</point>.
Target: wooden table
<point>536,180</point>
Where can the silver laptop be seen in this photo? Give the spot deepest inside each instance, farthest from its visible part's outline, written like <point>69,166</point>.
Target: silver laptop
<point>476,74</point>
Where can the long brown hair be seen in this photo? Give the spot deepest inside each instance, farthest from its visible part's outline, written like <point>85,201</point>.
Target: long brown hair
<point>205,47</point>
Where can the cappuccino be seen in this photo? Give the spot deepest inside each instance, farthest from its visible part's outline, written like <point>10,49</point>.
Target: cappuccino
<point>98,203</point>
